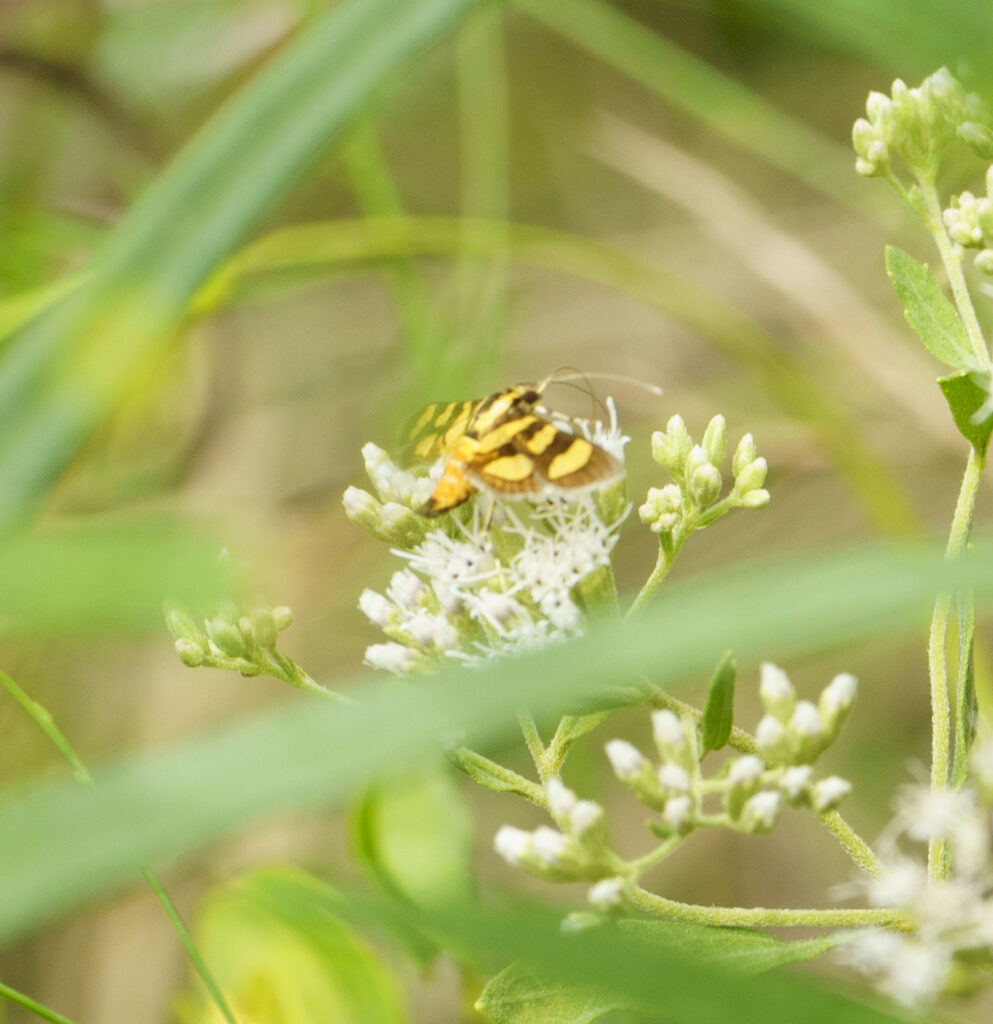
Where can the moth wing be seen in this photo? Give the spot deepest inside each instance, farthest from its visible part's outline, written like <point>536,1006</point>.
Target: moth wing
<point>566,461</point>
<point>439,428</point>
<point>507,470</point>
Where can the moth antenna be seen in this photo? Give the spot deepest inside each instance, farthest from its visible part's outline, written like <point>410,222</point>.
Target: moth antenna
<point>623,378</point>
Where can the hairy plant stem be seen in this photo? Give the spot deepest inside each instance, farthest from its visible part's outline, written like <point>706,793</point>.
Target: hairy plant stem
<point>941,713</point>
<point>764,917</point>
<point>669,548</point>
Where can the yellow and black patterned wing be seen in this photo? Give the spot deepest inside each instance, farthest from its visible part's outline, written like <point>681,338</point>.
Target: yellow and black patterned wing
<point>439,428</point>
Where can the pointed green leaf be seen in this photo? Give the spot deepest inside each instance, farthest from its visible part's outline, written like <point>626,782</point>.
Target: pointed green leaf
<point>928,311</point>
<point>966,396</point>
<point>521,995</point>
<point>738,950</point>
<point>715,727</point>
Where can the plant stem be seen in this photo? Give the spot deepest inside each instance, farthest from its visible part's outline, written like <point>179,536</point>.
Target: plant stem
<point>639,864</point>
<point>667,555</point>
<point>941,715</point>
<point>533,739</point>
<point>19,999</point>
<point>496,777</point>
<point>763,917</point>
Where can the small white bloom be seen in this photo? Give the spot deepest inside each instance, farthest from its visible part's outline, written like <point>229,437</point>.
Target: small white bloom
<point>775,687</point>
<point>770,732</point>
<point>762,809</point>
<point>513,844</point>
<point>561,799</point>
<point>745,770</point>
<point>899,884</point>
<point>667,729</point>
<point>839,694</point>
<point>829,792</point>
<point>406,590</point>
<point>806,720</point>
<point>674,778</point>
<point>933,813</point>
<point>625,758</point>
<point>376,608</point>
<point>549,845</point>
<point>795,780</point>
<point>584,816</point>
<point>393,657</point>
<point>431,631</point>
<point>607,893</point>
<point>676,812</point>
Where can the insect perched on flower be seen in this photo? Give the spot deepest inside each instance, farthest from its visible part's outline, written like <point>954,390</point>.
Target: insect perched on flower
<point>500,443</point>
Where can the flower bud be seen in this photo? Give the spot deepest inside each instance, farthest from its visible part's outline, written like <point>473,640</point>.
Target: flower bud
<point>977,137</point>
<point>227,637</point>
<point>715,441</point>
<point>984,261</point>
<point>752,477</point>
<point>795,782</point>
<point>362,508</point>
<point>670,449</point>
<point>392,657</point>
<point>376,608</point>
<point>677,813</point>
<point>662,508</point>
<point>263,626</point>
<point>607,893</point>
<point>776,691</point>
<point>705,485</point>
<point>190,652</point>
<point>754,499</point>
<point>282,615</point>
<point>744,455</point>
<point>743,779</point>
<point>513,844</point>
<point>674,779</point>
<point>181,624</point>
<point>671,738</point>
<point>807,729</point>
<point>772,740</point>
<point>829,792</point>
<point>836,702</point>
<point>635,771</point>
<point>561,799</point>
<point>761,812</point>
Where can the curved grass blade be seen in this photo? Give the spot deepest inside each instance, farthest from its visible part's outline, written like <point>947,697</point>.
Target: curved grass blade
<point>68,370</point>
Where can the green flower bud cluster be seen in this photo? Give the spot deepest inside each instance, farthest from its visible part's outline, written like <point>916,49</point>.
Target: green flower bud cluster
<point>969,222</point>
<point>233,638</point>
<point>694,500</point>
<point>390,517</point>
<point>917,125</point>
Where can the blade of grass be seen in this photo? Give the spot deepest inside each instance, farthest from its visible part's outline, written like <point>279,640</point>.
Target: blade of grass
<point>424,335</point>
<point>484,139</point>
<point>726,107</point>
<point>785,376</point>
<point>61,844</point>
<point>67,371</point>
<point>27,1003</point>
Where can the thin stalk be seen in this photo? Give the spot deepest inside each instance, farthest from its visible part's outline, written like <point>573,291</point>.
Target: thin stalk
<point>533,739</point>
<point>941,715</point>
<point>496,777</point>
<point>965,688</point>
<point>191,947</point>
<point>27,1003</point>
<point>666,557</point>
<point>764,917</point>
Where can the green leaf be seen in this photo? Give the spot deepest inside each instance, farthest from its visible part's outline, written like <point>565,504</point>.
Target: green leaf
<point>718,715</point>
<point>413,836</point>
<point>61,843</point>
<point>521,995</point>
<point>107,578</point>
<point>278,957</point>
<point>965,397</point>
<point>928,311</point>
<point>68,370</point>
<point>738,950</point>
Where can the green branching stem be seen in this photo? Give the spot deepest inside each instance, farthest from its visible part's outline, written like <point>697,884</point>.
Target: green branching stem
<point>764,917</point>
<point>496,777</point>
<point>27,1003</point>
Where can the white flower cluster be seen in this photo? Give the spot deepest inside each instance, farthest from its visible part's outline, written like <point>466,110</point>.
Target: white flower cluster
<point>953,916</point>
<point>751,788</point>
<point>500,582</point>
<point>568,853</point>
